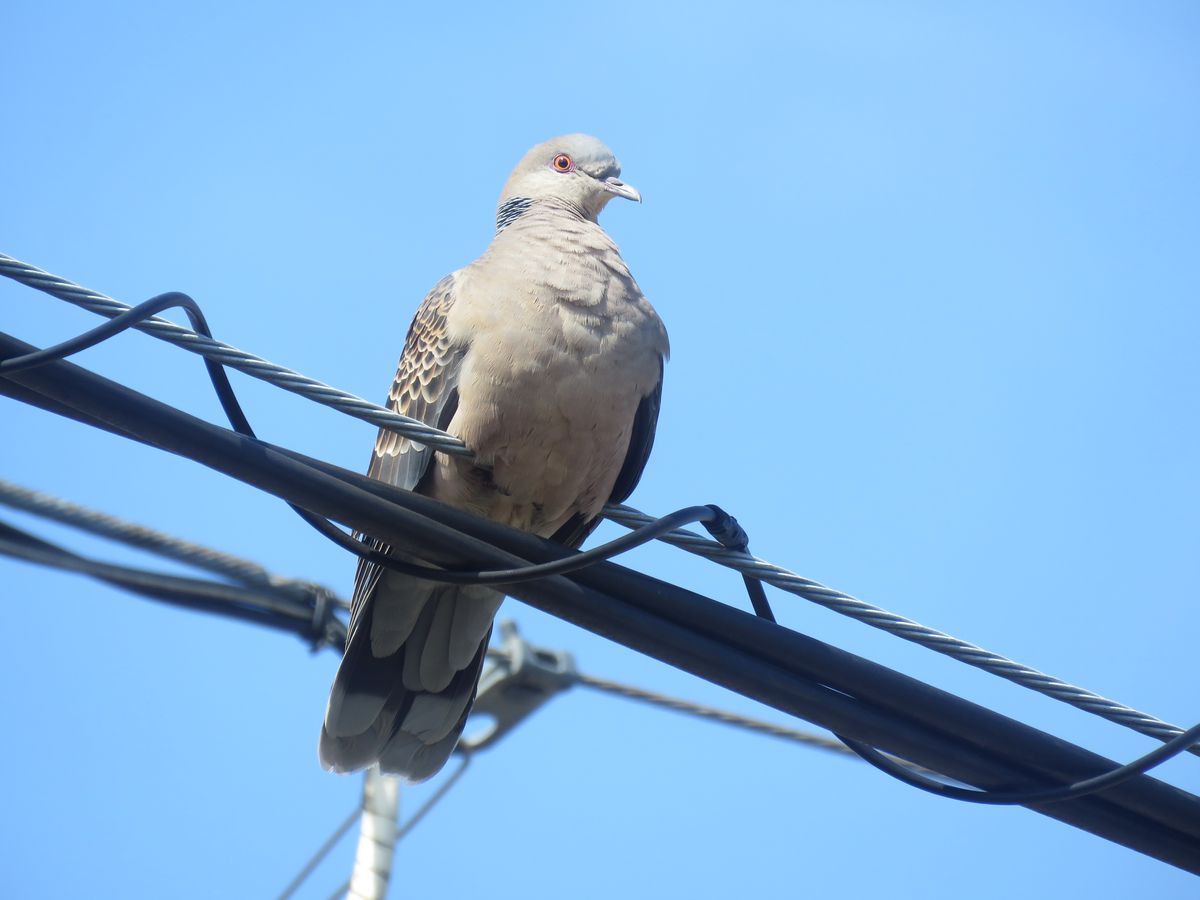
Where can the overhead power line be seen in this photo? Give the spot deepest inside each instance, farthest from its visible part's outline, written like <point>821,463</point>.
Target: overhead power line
<point>862,702</point>
<point>717,715</point>
<point>226,355</point>
<point>64,511</point>
<point>299,607</point>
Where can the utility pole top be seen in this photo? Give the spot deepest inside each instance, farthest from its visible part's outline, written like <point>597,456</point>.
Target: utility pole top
<point>520,678</point>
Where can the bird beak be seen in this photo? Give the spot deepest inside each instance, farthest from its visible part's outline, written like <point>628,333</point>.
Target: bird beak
<point>621,189</point>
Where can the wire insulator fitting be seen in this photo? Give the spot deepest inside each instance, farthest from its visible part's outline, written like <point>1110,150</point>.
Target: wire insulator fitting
<point>729,534</point>
<point>726,531</point>
<point>322,612</point>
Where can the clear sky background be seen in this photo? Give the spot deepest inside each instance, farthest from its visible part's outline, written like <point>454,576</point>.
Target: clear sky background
<point>930,273</point>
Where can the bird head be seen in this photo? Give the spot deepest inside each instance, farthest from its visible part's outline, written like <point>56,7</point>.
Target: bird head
<point>575,169</point>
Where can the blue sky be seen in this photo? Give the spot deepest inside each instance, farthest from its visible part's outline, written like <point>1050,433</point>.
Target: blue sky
<point>930,275</point>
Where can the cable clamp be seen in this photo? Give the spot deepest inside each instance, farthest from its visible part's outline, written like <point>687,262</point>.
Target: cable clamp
<point>519,678</point>
<point>318,633</point>
<point>726,531</point>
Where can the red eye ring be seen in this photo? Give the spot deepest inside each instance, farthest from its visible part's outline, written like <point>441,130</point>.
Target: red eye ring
<point>563,163</point>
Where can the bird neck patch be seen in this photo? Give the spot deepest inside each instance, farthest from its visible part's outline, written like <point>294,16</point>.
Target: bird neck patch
<point>511,210</point>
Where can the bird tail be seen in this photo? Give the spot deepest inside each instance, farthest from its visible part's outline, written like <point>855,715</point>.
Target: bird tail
<point>408,678</point>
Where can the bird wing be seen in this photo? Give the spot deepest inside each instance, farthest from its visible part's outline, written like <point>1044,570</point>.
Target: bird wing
<point>414,648</point>
<point>425,388</point>
<point>641,442</point>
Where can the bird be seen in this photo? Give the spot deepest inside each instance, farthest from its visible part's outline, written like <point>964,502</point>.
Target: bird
<point>546,360</point>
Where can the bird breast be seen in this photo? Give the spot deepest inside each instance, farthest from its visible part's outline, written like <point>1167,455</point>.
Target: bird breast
<point>563,346</point>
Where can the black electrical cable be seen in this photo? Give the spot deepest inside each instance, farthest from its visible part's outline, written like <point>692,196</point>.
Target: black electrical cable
<point>1155,757</point>
<point>635,538</point>
<point>705,515</point>
<point>730,534</point>
<point>778,666</point>
<point>1031,796</point>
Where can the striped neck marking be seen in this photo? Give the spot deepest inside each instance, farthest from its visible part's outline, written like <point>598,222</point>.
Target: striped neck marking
<point>511,210</point>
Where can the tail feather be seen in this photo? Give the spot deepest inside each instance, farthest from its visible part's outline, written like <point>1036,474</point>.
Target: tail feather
<point>435,671</point>
<point>404,704</point>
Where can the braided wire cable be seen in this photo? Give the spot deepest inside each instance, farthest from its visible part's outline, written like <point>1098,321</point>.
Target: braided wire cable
<point>222,353</point>
<point>711,712</point>
<point>725,717</point>
<point>743,562</point>
<point>109,526</point>
<point>931,638</point>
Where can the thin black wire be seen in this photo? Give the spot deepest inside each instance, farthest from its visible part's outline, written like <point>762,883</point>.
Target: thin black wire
<point>128,319</point>
<point>320,854</point>
<point>722,526</point>
<point>113,326</point>
<point>1031,796</point>
<point>636,538</point>
<point>758,598</point>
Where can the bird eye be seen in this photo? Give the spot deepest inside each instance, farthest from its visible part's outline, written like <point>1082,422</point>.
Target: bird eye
<point>563,163</point>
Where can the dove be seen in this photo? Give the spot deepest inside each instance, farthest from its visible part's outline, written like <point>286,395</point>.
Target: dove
<point>546,360</point>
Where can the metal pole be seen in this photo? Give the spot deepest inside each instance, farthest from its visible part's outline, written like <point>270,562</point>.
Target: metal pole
<point>377,836</point>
